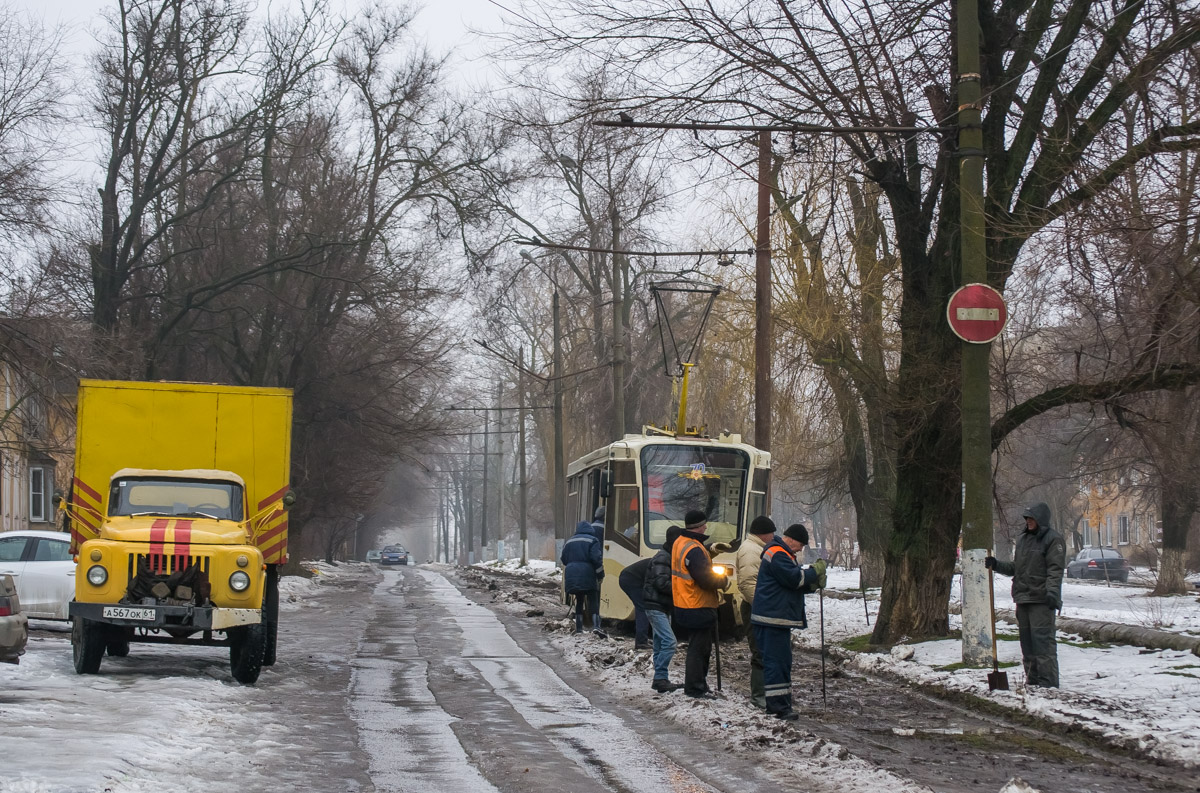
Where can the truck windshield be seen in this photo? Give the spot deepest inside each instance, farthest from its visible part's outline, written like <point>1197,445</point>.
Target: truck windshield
<point>176,498</point>
<point>676,479</point>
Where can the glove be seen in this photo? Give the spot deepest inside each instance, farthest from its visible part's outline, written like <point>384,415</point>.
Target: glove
<point>820,566</point>
<point>720,547</point>
<point>1052,602</point>
<point>989,562</point>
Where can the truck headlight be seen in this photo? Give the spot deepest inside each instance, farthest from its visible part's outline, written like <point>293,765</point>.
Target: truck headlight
<point>239,581</point>
<point>97,575</point>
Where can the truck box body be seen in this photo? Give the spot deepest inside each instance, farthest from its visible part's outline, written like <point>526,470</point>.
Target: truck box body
<point>183,426</point>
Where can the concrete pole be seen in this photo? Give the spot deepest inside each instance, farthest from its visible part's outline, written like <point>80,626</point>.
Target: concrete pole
<point>521,457</point>
<point>618,323</point>
<point>762,299</point>
<point>487,457</point>
<point>500,479</point>
<point>977,623</point>
<point>560,463</point>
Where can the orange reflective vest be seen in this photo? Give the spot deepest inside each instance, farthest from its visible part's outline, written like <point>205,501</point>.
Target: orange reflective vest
<point>685,593</point>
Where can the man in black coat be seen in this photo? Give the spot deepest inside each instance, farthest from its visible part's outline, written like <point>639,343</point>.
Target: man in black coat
<point>632,581</point>
<point>1037,573</point>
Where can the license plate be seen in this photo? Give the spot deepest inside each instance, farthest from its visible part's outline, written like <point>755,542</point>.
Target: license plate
<point>122,613</point>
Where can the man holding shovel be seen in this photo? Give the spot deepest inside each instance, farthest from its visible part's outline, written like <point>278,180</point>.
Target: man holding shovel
<point>1037,573</point>
<point>779,607</point>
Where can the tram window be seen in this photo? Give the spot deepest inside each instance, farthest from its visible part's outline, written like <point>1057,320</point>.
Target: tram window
<point>758,494</point>
<point>677,479</point>
<point>624,524</point>
<point>623,472</point>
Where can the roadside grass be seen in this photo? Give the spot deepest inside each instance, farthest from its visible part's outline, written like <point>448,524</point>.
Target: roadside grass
<point>962,665</point>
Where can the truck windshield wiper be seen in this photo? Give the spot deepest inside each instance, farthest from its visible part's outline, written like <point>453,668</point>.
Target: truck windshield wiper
<point>197,515</point>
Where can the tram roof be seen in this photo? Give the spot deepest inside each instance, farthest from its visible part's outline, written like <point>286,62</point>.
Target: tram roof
<point>632,445</point>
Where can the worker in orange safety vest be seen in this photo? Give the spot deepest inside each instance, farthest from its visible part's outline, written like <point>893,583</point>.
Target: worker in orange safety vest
<point>694,588</point>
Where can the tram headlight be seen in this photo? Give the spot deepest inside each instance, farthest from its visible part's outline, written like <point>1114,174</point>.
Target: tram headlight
<point>97,575</point>
<point>239,581</point>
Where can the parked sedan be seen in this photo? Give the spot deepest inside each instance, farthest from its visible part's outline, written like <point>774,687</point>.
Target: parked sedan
<point>14,626</point>
<point>41,565</point>
<point>1102,563</point>
<point>394,554</point>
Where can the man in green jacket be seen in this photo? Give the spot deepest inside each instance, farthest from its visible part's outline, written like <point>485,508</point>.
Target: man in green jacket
<point>1037,573</point>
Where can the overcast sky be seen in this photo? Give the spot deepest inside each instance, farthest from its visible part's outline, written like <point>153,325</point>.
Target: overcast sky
<point>444,22</point>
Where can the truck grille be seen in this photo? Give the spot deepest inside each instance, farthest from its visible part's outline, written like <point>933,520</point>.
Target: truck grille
<point>163,565</point>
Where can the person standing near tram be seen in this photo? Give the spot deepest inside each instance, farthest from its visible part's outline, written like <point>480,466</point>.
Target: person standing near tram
<point>694,590</point>
<point>749,557</point>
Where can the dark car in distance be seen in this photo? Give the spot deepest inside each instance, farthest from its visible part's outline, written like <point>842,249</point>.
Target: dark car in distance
<point>394,554</point>
<point>1106,564</point>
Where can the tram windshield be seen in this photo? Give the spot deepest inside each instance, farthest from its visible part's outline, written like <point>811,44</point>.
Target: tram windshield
<point>676,479</point>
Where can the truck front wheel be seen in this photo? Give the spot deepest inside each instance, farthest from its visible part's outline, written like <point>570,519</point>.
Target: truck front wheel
<point>88,640</point>
<point>246,649</point>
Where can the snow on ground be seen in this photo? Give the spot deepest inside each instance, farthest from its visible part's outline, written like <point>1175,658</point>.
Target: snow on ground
<point>1143,698</point>
<point>179,709</point>
<point>533,568</point>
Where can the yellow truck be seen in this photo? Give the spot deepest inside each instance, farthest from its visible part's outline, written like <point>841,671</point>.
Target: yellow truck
<point>178,519</point>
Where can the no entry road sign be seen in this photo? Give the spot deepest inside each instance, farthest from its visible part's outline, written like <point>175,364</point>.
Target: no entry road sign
<point>977,313</point>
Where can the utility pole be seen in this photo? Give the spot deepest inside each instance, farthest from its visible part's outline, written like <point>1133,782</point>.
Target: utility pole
<point>762,299</point>
<point>469,545</point>
<point>978,625</point>
<point>486,459</point>
<point>499,466</point>
<point>560,452</point>
<point>618,322</point>
<point>521,457</point>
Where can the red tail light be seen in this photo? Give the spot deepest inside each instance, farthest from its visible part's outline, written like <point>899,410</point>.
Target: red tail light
<point>5,607</point>
<point>1092,563</point>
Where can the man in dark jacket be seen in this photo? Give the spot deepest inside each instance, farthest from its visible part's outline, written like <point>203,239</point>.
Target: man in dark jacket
<point>583,561</point>
<point>694,591</point>
<point>1037,572</point>
<point>632,581</point>
<point>656,597</point>
<point>778,607</point>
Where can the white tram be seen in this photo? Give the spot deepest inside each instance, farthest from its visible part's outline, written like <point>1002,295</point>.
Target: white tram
<point>648,482</point>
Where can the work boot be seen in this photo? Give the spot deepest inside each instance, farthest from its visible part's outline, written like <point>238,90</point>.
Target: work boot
<point>641,645</point>
<point>664,686</point>
<point>599,633</point>
<point>788,715</point>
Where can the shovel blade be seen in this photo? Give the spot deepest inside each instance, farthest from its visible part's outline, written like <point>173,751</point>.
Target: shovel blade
<point>997,681</point>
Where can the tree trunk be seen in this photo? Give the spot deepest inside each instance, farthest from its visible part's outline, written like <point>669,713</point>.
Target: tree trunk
<point>1178,507</point>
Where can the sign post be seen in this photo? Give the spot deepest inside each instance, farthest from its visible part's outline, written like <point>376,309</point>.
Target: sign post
<point>977,315</point>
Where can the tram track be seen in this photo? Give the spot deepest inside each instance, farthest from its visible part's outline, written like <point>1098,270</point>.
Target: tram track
<point>946,741</point>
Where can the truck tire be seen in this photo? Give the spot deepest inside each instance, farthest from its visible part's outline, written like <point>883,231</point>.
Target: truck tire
<point>88,639</point>
<point>248,644</point>
<point>271,614</point>
<point>118,641</point>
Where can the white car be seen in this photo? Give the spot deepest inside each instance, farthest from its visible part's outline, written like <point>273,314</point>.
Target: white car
<point>40,564</point>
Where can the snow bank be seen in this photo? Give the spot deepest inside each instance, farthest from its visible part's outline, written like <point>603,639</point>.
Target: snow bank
<point>533,568</point>
<point>1144,699</point>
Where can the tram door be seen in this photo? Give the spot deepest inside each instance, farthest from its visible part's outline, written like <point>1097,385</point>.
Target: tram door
<point>622,537</point>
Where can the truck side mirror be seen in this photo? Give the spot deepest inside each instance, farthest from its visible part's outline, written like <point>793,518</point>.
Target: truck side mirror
<point>289,498</point>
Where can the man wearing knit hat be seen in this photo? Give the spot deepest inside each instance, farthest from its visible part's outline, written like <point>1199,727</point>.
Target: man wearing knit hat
<point>694,588</point>
<point>779,607</point>
<point>749,557</point>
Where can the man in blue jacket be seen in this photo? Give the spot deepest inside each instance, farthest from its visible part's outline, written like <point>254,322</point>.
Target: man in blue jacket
<point>778,607</point>
<point>583,562</point>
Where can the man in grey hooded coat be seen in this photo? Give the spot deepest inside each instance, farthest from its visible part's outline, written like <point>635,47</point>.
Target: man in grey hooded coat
<point>1037,573</point>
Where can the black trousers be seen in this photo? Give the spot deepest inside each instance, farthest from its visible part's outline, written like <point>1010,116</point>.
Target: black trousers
<point>1039,653</point>
<point>695,670</point>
